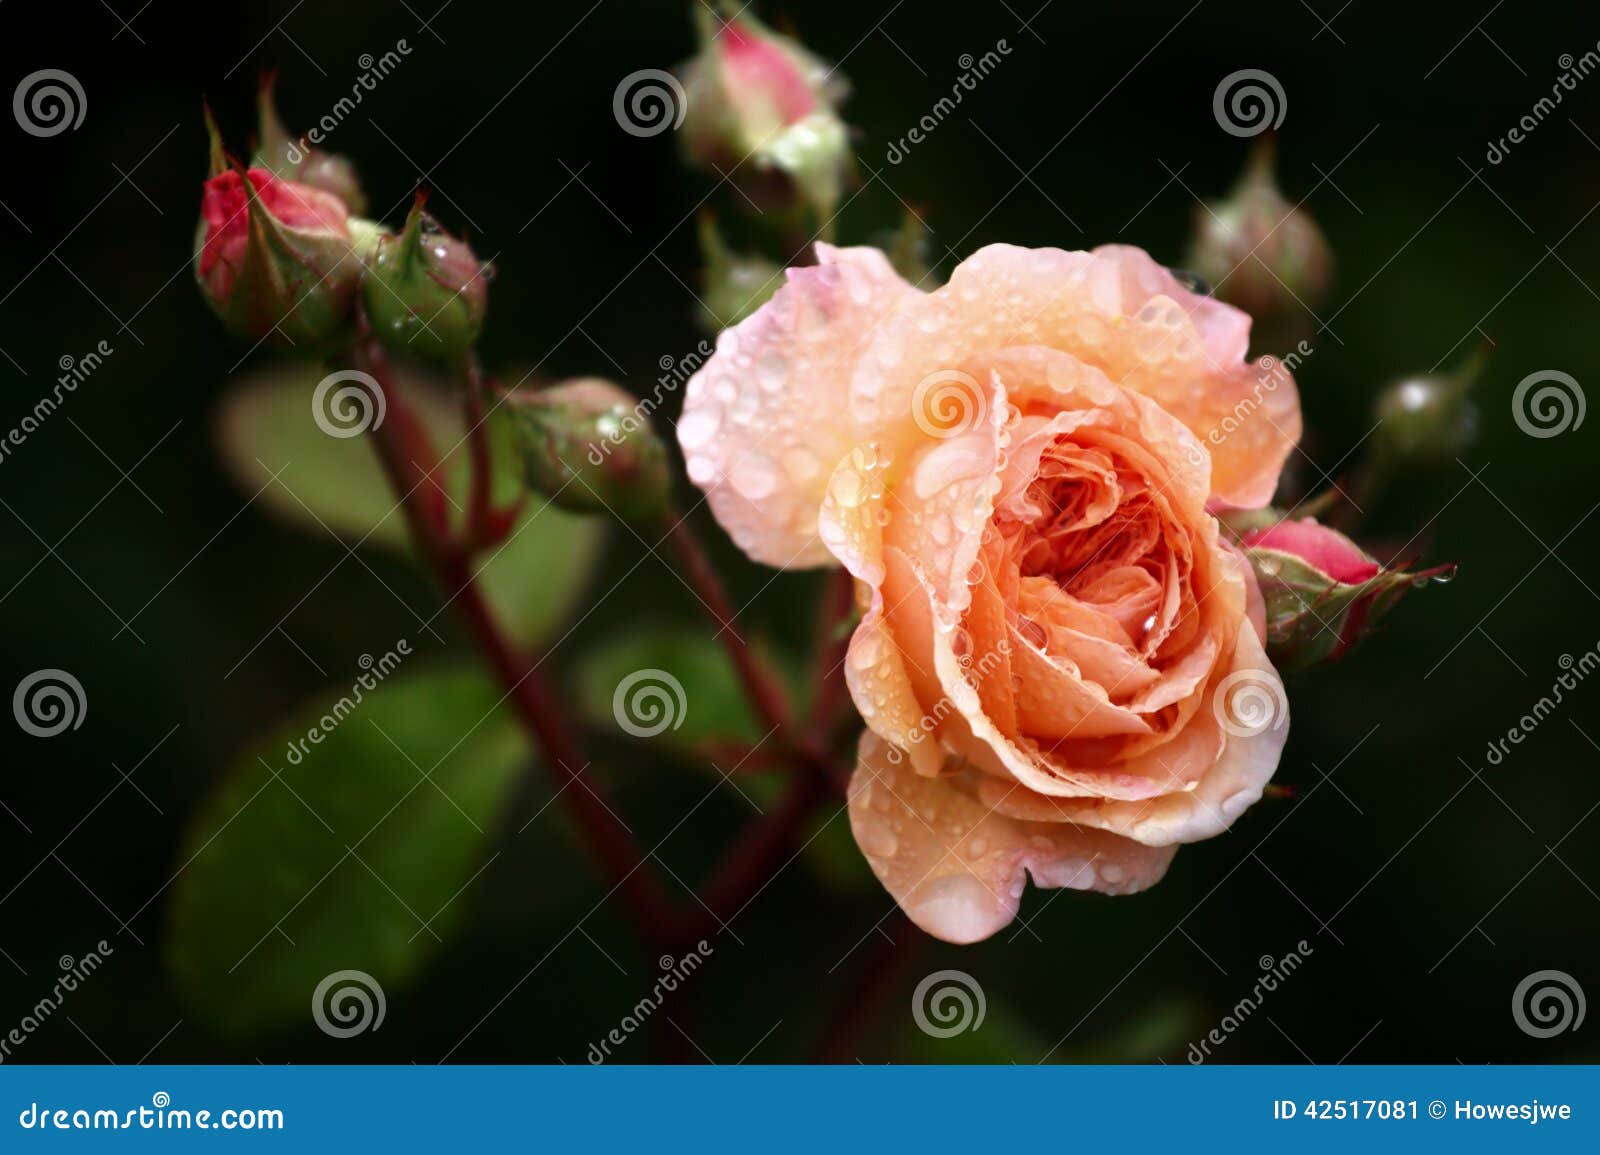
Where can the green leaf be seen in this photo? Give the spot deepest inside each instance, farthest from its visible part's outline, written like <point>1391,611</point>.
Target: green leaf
<point>300,865</point>
<point>323,484</point>
<point>687,677</point>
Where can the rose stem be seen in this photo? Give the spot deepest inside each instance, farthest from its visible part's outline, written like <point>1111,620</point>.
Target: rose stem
<point>766,693</point>
<point>407,457</point>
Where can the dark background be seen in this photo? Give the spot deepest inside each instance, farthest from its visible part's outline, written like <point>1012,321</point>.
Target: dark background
<point>1425,892</point>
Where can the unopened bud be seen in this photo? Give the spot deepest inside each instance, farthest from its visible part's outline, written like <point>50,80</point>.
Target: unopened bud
<point>588,448</point>
<point>1427,420</point>
<point>1323,593</point>
<point>736,284</point>
<point>426,292</point>
<point>273,257</point>
<point>297,159</point>
<point>756,96</point>
<point>1263,254</point>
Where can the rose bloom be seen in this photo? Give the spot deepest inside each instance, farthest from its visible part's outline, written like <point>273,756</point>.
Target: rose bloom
<point>1060,660</point>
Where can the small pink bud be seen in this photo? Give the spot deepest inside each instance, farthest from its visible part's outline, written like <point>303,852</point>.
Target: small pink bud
<point>426,292</point>
<point>272,257</point>
<point>759,100</point>
<point>1318,546</point>
<point>1323,593</point>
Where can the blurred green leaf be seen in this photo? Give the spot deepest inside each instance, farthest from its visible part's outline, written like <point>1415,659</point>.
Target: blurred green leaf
<point>273,447</point>
<point>670,684</point>
<point>294,871</point>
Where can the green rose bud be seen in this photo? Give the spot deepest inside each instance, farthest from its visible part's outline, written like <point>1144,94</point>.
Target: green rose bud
<point>586,446</point>
<point>426,292</point>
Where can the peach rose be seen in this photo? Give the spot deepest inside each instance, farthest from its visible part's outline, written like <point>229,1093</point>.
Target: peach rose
<point>1060,660</point>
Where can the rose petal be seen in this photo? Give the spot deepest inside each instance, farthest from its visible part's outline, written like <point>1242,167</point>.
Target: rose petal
<point>765,420</point>
<point>957,867</point>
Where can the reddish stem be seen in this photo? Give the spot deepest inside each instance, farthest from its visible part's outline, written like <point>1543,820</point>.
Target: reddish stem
<point>766,693</point>
<point>409,460</point>
<point>874,981</point>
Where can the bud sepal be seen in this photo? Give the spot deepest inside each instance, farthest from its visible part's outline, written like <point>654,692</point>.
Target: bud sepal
<point>1323,593</point>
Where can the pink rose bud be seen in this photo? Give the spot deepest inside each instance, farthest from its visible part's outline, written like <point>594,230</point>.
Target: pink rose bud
<point>1323,593</point>
<point>589,447</point>
<point>298,159</point>
<point>757,100</point>
<point>1262,253</point>
<point>273,257</point>
<point>426,292</point>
